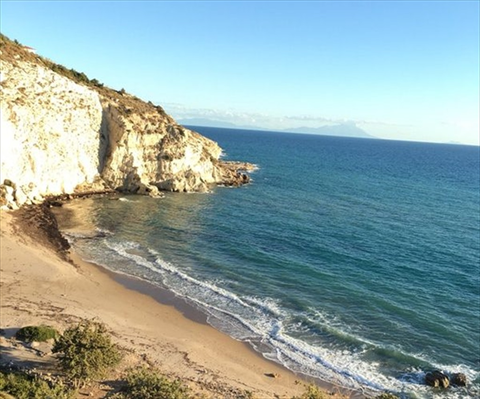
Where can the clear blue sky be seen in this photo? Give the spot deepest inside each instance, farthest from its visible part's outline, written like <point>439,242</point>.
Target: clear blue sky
<point>398,69</point>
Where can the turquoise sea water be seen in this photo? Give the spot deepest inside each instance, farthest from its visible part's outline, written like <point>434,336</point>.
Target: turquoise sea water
<point>353,260</point>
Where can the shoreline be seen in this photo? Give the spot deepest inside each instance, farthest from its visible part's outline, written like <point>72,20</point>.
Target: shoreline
<point>38,286</point>
<point>166,297</point>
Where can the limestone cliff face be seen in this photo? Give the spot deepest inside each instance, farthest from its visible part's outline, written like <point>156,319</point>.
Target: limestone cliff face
<point>165,155</point>
<point>50,132</point>
<point>59,137</point>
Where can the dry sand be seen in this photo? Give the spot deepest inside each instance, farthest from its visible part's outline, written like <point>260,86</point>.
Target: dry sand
<point>36,286</point>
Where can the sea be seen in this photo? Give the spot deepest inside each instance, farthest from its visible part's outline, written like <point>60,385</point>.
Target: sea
<point>354,261</point>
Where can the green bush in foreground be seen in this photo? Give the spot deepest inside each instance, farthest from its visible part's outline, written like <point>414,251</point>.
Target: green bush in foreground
<point>386,396</point>
<point>86,352</point>
<point>36,333</point>
<point>148,384</point>
<point>22,386</point>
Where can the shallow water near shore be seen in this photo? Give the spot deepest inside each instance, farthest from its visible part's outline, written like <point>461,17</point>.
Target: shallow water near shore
<point>352,260</point>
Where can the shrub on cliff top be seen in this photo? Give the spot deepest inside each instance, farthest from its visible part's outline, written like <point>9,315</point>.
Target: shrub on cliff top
<point>22,386</point>
<point>36,333</point>
<point>148,384</point>
<point>86,351</point>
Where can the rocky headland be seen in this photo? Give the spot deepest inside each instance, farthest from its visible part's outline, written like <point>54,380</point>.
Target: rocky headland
<point>63,133</point>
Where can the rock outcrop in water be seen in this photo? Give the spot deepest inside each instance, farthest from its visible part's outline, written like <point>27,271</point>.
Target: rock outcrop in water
<point>63,133</point>
<point>440,379</point>
<point>437,379</point>
<point>458,379</point>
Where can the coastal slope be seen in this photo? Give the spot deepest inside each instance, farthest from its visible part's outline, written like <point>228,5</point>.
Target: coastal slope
<point>64,133</point>
<point>37,287</point>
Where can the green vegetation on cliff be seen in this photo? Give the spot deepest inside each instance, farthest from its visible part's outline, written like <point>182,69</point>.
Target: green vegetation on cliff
<point>20,385</point>
<point>86,352</point>
<point>148,384</point>
<point>13,52</point>
<point>36,333</point>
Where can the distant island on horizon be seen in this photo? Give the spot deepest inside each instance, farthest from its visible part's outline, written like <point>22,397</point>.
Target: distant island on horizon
<point>338,130</point>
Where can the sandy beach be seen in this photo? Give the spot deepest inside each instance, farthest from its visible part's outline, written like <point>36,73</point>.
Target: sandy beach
<point>37,286</point>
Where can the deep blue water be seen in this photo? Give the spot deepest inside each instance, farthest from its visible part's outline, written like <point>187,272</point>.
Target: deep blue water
<point>353,260</point>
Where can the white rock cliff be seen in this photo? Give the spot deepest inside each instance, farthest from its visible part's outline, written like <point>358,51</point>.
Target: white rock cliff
<point>60,137</point>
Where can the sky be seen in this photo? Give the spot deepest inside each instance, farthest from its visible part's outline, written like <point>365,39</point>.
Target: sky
<point>404,70</point>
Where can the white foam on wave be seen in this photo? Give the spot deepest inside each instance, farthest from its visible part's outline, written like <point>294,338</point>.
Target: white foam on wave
<point>260,320</point>
<point>214,299</point>
<point>123,249</point>
<point>413,380</point>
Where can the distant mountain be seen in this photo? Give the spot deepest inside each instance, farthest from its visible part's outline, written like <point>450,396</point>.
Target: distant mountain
<point>340,130</point>
<point>344,130</point>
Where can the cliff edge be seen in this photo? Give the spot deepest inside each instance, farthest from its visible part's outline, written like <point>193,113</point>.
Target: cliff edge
<point>62,133</point>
